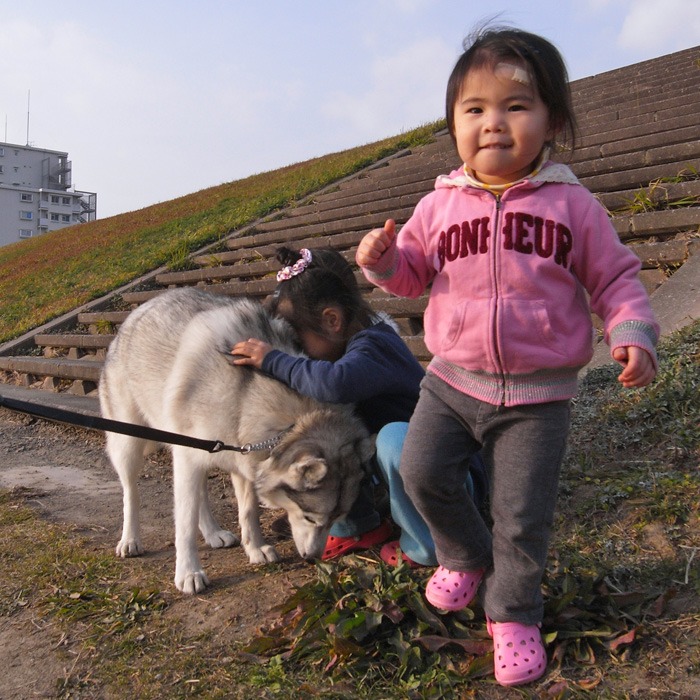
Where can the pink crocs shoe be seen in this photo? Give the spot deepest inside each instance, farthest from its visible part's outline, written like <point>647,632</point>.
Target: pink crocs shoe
<point>518,653</point>
<point>452,590</point>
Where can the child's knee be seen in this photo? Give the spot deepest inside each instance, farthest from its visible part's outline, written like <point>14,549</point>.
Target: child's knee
<point>390,441</point>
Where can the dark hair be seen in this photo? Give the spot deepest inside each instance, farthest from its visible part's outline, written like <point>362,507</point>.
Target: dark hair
<point>327,280</point>
<point>488,46</point>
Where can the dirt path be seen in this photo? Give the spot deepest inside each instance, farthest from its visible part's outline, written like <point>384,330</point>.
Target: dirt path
<point>64,475</point>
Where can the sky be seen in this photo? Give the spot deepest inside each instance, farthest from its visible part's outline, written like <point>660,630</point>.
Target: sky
<point>155,99</point>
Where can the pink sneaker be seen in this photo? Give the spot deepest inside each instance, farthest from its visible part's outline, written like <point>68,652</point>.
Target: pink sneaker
<point>518,653</point>
<point>452,590</point>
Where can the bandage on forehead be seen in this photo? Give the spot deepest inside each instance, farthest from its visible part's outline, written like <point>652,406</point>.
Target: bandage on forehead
<point>511,71</point>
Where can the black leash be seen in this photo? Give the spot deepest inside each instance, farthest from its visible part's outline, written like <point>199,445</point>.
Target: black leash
<point>140,431</point>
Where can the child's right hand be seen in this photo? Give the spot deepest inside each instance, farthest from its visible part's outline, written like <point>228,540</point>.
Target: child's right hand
<point>250,352</point>
<point>638,366</point>
<point>374,244</point>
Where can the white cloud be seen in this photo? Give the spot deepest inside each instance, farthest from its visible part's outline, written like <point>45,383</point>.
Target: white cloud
<point>666,26</point>
<point>406,89</point>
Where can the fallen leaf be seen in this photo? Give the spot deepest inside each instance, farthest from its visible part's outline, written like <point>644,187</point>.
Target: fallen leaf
<point>623,639</point>
<point>479,647</point>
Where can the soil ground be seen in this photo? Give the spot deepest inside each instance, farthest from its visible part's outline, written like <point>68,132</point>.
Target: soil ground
<point>63,473</point>
<point>65,476</point>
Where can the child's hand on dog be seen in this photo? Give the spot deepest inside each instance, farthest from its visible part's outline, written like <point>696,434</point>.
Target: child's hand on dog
<point>250,352</point>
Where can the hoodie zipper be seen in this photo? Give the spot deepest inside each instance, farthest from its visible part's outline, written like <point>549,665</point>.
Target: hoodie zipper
<point>494,270</point>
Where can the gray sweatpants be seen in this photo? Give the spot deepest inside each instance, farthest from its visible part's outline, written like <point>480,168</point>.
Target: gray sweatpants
<point>523,447</point>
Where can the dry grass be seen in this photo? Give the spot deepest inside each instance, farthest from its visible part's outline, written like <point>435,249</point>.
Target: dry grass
<point>43,277</point>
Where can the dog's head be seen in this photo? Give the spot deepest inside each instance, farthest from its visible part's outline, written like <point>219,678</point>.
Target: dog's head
<point>314,473</point>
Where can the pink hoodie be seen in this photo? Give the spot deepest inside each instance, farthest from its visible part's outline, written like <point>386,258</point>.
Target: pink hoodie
<point>508,318</point>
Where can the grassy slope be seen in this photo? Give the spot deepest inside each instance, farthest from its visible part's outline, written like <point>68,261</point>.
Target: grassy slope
<point>49,275</point>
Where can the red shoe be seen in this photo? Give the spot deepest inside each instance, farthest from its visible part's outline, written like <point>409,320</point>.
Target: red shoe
<point>337,546</point>
<point>391,554</point>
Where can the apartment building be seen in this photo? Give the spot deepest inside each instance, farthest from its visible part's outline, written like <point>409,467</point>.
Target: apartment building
<point>36,193</point>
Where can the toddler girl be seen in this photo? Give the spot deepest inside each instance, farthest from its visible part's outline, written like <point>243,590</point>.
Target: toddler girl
<point>511,245</point>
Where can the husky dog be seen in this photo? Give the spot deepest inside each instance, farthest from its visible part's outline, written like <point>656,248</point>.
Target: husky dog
<point>168,368</point>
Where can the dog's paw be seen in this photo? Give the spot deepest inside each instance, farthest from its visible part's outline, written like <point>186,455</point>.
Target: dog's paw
<point>129,548</point>
<point>222,538</point>
<point>262,555</point>
<point>191,582</point>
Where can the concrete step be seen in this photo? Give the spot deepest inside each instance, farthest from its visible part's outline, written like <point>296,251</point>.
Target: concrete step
<point>74,340</point>
<point>273,232</point>
<point>637,141</point>
<point>340,241</point>
<point>364,201</point>
<point>638,178</point>
<point>99,321</point>
<point>667,253</point>
<point>659,72</point>
<point>87,405</point>
<point>638,101</point>
<point>59,367</point>
<point>677,153</point>
<point>612,91</point>
<point>658,223</point>
<point>658,194</point>
<point>631,128</point>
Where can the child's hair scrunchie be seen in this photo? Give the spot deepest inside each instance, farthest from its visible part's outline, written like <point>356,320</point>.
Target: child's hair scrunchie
<point>289,271</point>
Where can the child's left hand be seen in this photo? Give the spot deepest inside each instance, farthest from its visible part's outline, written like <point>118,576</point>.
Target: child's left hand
<point>638,366</point>
<point>250,352</point>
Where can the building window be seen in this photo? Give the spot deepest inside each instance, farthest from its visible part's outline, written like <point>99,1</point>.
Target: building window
<point>2,151</point>
<point>65,200</point>
<point>54,217</point>
<point>26,197</point>
<point>65,218</point>
<point>2,168</point>
<point>26,215</point>
<point>55,199</point>
<point>26,233</point>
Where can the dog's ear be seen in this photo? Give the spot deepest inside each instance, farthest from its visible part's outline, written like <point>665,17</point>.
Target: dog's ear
<point>307,473</point>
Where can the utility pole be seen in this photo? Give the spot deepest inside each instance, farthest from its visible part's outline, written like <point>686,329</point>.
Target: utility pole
<point>29,92</point>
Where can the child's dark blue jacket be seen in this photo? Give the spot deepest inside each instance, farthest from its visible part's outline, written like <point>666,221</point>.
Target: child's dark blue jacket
<point>377,373</point>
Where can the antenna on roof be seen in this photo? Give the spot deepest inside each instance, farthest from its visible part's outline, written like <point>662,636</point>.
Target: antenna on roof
<point>29,92</point>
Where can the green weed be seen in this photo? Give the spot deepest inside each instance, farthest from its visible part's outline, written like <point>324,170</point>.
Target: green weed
<point>655,197</point>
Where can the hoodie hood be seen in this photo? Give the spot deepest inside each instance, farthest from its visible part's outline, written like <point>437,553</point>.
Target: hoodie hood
<point>550,172</point>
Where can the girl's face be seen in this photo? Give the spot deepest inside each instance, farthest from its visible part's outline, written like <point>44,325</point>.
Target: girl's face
<point>326,343</point>
<point>501,123</point>
<point>321,347</point>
